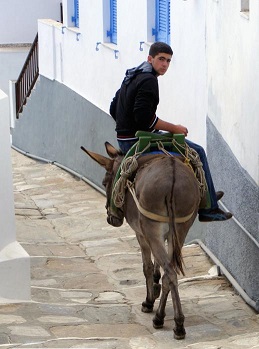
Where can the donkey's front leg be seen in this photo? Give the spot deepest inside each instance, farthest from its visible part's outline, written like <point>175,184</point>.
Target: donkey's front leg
<point>148,269</point>
<point>156,277</point>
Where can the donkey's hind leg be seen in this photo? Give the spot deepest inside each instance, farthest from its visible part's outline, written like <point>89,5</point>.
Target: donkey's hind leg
<point>161,258</point>
<point>148,270</point>
<point>179,330</point>
<point>169,283</point>
<point>158,320</point>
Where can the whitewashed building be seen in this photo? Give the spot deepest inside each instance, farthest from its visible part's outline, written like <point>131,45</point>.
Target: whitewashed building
<point>18,28</point>
<point>211,87</point>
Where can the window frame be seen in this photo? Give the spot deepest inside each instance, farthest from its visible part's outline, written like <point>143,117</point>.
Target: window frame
<point>162,28</point>
<point>75,17</point>
<point>112,33</point>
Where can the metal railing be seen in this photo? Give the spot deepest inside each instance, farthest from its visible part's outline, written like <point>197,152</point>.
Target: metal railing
<point>27,77</point>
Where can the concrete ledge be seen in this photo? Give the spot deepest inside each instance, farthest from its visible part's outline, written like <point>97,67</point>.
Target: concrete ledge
<point>15,274</point>
<point>14,261</point>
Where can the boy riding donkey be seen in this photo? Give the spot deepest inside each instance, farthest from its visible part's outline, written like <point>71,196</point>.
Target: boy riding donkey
<point>134,109</point>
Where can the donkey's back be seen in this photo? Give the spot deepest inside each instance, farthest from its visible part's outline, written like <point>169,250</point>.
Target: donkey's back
<point>165,185</point>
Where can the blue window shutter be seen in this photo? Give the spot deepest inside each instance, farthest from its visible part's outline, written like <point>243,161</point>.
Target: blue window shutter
<point>113,22</point>
<point>162,30</point>
<point>75,18</point>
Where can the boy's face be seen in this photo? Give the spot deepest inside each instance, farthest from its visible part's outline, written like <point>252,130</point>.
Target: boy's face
<point>160,62</point>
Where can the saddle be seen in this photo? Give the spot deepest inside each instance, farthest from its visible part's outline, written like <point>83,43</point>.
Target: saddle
<point>149,143</point>
<point>154,143</point>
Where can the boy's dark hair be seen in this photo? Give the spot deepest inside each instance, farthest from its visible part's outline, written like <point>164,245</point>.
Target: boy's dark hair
<point>160,47</point>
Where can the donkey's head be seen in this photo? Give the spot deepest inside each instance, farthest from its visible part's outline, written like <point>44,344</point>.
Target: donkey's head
<point>114,216</point>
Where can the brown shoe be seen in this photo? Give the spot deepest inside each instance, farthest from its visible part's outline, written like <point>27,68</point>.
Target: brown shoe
<point>219,195</point>
<point>216,215</point>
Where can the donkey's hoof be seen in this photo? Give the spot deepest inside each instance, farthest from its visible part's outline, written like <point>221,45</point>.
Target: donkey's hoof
<point>157,290</point>
<point>158,323</point>
<point>179,334</point>
<point>147,307</point>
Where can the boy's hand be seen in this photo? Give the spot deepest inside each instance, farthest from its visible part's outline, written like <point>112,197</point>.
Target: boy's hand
<point>180,129</point>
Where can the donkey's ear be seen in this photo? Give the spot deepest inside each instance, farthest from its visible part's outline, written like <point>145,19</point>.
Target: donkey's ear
<point>111,151</point>
<point>102,160</point>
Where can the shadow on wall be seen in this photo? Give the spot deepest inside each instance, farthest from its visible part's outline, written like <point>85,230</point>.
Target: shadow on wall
<point>56,122</point>
<point>235,242</point>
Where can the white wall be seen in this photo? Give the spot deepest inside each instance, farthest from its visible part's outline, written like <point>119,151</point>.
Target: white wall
<point>14,260</point>
<point>214,70</point>
<point>18,19</point>
<point>233,78</point>
<point>184,87</point>
<point>11,63</point>
<point>96,75</point>
<point>7,221</point>
<point>18,26</point>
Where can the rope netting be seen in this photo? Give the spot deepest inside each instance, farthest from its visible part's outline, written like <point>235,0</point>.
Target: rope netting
<point>130,164</point>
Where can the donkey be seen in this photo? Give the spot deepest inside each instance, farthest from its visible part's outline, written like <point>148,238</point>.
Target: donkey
<point>168,191</point>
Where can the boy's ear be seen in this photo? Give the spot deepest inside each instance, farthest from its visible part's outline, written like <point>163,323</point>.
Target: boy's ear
<point>149,59</point>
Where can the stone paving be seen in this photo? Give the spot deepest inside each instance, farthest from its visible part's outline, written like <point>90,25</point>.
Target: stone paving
<point>87,283</point>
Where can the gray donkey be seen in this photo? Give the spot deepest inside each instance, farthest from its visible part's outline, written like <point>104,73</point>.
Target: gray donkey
<point>160,205</point>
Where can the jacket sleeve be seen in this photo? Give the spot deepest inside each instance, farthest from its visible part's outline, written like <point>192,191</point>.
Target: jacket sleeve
<point>146,101</point>
<point>113,105</point>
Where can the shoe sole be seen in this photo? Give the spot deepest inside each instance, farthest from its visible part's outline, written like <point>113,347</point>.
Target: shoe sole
<point>213,219</point>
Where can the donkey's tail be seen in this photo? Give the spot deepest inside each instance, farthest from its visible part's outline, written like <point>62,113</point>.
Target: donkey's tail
<point>177,257</point>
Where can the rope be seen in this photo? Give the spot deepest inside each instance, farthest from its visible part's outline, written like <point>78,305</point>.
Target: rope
<point>128,166</point>
<point>197,167</point>
<point>192,160</point>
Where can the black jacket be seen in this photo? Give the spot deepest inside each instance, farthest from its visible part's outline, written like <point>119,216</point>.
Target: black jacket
<point>135,103</point>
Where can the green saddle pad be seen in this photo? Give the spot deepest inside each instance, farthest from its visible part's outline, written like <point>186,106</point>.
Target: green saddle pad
<point>148,141</point>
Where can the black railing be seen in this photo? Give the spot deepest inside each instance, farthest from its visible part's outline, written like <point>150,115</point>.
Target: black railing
<point>27,77</point>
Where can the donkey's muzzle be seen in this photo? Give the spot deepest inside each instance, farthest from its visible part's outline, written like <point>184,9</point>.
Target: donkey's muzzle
<point>114,221</point>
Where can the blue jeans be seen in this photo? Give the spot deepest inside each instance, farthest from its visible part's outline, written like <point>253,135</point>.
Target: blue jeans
<point>205,165</point>
<point>126,145</point>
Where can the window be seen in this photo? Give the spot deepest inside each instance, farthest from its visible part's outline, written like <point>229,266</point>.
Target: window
<point>244,5</point>
<point>112,33</point>
<point>245,9</point>
<point>75,18</point>
<point>162,27</point>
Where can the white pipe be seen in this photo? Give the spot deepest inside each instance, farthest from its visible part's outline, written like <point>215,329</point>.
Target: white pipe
<point>32,156</point>
<point>61,166</point>
<point>240,225</point>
